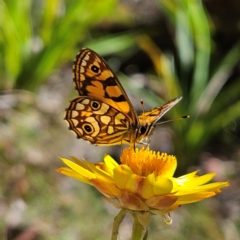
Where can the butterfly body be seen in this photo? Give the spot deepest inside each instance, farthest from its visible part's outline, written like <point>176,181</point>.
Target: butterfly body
<point>103,113</point>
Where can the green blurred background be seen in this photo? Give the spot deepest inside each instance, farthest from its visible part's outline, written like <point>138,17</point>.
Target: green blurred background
<point>159,50</point>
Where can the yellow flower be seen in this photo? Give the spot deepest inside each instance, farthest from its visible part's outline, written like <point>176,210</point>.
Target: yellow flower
<point>143,182</point>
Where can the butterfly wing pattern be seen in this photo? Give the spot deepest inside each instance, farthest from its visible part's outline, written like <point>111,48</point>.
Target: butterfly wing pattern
<point>103,113</point>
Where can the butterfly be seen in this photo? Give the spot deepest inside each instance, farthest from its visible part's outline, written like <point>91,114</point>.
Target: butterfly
<point>103,113</point>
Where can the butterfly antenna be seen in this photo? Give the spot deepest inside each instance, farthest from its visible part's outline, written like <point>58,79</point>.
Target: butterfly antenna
<point>143,110</point>
<point>172,120</point>
<point>141,101</point>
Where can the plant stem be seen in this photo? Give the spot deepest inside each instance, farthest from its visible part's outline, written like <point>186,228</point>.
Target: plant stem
<point>117,221</point>
<point>138,231</point>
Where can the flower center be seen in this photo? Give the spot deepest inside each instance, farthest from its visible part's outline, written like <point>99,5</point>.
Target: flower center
<point>144,162</point>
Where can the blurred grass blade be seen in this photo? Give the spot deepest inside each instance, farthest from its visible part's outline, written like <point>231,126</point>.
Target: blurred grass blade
<point>15,29</point>
<point>38,36</point>
<point>114,43</point>
<point>218,80</point>
<point>184,39</point>
<point>162,66</point>
<point>193,42</point>
<point>201,34</point>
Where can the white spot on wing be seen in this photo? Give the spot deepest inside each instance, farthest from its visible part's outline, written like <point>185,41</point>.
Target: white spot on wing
<point>74,114</point>
<point>80,131</point>
<point>79,106</point>
<point>110,130</point>
<point>75,122</point>
<point>84,63</point>
<point>105,119</point>
<point>118,118</point>
<point>87,57</point>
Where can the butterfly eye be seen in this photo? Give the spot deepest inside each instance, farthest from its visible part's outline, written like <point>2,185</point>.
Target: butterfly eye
<point>95,105</point>
<point>95,69</point>
<point>88,128</point>
<point>143,130</point>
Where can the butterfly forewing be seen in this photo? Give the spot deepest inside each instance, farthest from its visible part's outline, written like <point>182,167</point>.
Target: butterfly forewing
<point>155,114</point>
<point>94,78</point>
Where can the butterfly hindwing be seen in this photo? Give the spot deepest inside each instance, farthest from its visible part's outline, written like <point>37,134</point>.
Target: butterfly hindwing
<point>96,121</point>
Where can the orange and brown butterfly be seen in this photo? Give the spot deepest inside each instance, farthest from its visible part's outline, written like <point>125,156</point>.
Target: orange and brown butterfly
<point>103,113</point>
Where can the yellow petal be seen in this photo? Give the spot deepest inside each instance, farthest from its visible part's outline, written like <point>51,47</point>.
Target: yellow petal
<point>106,188</point>
<point>104,169</point>
<point>197,180</point>
<point>187,177</point>
<point>190,198</point>
<point>147,189</point>
<point>160,185</point>
<point>78,169</point>
<point>204,188</point>
<point>69,172</point>
<point>121,174</point>
<point>134,184</point>
<point>95,168</point>
<point>81,163</point>
<point>110,162</point>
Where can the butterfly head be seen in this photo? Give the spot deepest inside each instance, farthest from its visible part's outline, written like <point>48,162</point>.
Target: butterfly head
<point>142,134</point>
